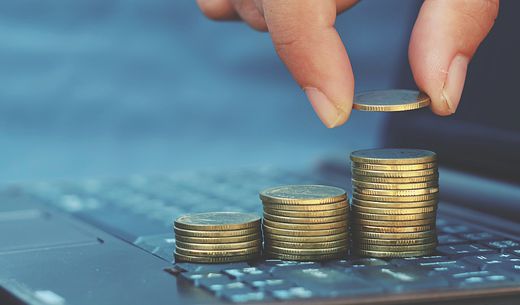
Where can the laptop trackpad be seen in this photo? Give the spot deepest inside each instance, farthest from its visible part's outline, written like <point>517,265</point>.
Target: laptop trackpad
<point>32,229</point>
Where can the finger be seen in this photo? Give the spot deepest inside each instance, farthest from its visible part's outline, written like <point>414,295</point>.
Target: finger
<point>218,9</point>
<point>305,38</point>
<point>248,11</point>
<point>445,36</point>
<point>343,5</point>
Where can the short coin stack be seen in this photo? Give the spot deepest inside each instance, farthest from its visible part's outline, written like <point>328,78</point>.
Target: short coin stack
<point>305,222</point>
<point>394,202</point>
<point>217,237</point>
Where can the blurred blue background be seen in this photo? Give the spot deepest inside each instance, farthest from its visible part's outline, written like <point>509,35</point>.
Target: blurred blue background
<point>97,88</point>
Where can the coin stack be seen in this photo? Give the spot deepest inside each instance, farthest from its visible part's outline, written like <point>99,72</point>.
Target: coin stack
<point>394,202</point>
<point>305,222</point>
<point>217,237</point>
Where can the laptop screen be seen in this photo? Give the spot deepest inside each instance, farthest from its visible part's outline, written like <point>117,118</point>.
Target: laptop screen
<point>483,136</point>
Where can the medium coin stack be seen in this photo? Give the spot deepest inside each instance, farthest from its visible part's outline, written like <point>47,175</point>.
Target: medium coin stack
<point>217,237</point>
<point>305,222</point>
<point>394,202</point>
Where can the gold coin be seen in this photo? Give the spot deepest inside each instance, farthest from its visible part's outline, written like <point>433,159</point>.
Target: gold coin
<point>393,236</point>
<point>222,246</point>
<point>381,229</point>
<point>298,226</point>
<point>394,242</point>
<point>307,207</point>
<point>327,213</point>
<point>405,217</point>
<point>228,233</point>
<point>383,254</point>
<point>390,100</point>
<point>306,239</point>
<point>394,167</point>
<point>416,198</point>
<point>389,180</point>
<point>394,186</point>
<point>303,194</point>
<point>217,221</point>
<point>303,233</point>
<point>281,250</point>
<point>397,248</point>
<point>394,205</point>
<point>214,260</point>
<point>216,240</point>
<point>306,245</point>
<point>393,211</point>
<point>393,156</point>
<point>305,220</point>
<point>229,252</point>
<point>307,258</point>
<point>396,223</point>
<point>399,193</point>
<point>394,174</point>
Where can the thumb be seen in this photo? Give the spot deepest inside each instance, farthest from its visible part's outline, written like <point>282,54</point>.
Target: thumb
<point>304,37</point>
<point>445,36</point>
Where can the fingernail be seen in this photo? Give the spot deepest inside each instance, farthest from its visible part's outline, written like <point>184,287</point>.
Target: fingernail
<point>454,84</point>
<point>326,110</point>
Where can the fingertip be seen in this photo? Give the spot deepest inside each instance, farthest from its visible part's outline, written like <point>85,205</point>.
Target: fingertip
<point>217,9</point>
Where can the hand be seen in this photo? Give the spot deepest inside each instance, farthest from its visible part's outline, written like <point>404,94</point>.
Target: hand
<point>444,38</point>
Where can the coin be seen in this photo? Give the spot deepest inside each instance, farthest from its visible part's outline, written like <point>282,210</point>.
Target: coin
<point>214,260</point>
<point>305,220</point>
<point>394,186</point>
<point>396,198</point>
<point>228,233</point>
<point>404,217</point>
<point>220,246</point>
<point>229,252</point>
<point>381,229</point>
<point>314,226</point>
<point>393,211</point>
<point>395,242</point>
<point>396,248</point>
<point>383,254</point>
<point>307,207</point>
<point>216,240</point>
<point>306,239</point>
<point>390,100</point>
<point>394,174</point>
<point>396,223</point>
<point>389,180</point>
<point>327,213</point>
<point>320,257</point>
<point>390,236</point>
<point>303,233</point>
<point>306,245</point>
<point>394,167</point>
<point>393,156</point>
<point>323,251</point>
<point>217,221</point>
<point>416,192</point>
<point>303,194</point>
<point>394,205</point>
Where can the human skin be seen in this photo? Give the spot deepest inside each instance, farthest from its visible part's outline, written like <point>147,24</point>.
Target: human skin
<point>444,38</point>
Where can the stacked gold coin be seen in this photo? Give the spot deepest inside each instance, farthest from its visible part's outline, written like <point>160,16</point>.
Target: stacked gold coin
<point>217,237</point>
<point>394,202</point>
<point>305,222</point>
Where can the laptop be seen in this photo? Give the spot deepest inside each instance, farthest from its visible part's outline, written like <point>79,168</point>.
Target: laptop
<point>111,241</point>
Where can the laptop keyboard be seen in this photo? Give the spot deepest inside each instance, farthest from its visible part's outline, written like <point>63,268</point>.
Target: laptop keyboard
<point>141,210</point>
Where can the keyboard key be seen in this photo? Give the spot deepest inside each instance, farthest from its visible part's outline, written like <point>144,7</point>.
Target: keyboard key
<point>454,229</point>
<point>398,279</point>
<point>486,260</point>
<point>479,236</point>
<point>269,284</point>
<point>463,249</point>
<point>207,278</point>
<point>503,244</point>
<point>482,278</point>
<point>449,267</point>
<point>405,261</point>
<point>448,239</point>
<point>218,284</point>
<point>292,293</point>
<point>356,262</point>
<point>244,272</point>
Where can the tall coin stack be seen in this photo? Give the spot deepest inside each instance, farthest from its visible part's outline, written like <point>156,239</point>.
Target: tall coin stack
<point>217,237</point>
<point>305,222</point>
<point>394,202</point>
